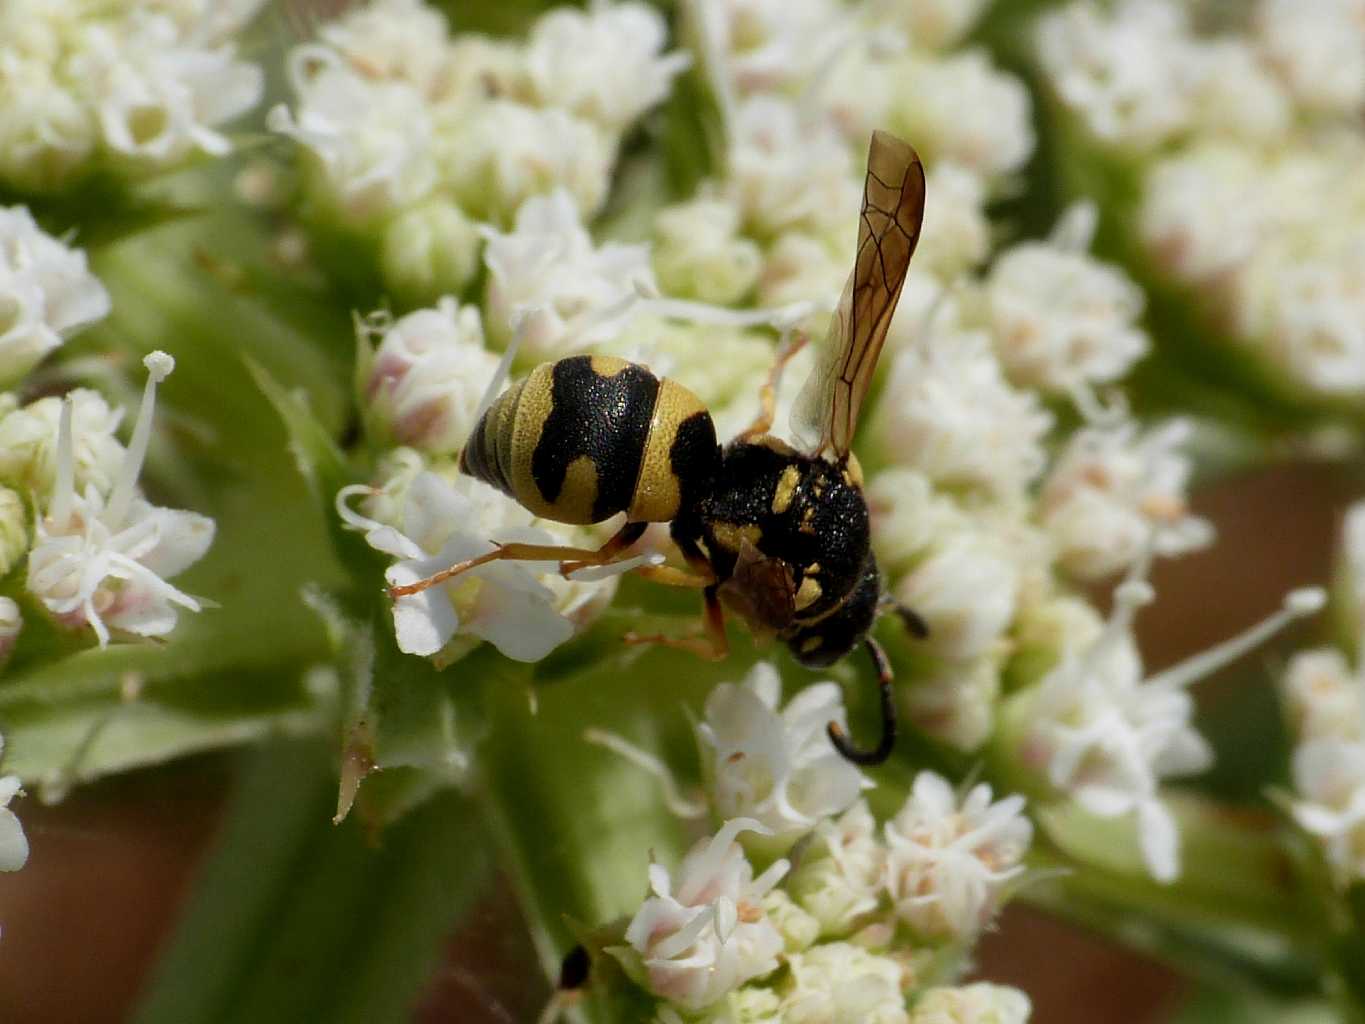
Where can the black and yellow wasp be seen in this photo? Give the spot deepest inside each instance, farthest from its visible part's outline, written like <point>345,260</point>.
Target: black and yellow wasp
<point>776,534</point>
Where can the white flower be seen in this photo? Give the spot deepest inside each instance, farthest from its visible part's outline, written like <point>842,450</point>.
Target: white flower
<point>1329,774</point>
<point>159,96</point>
<point>948,859</point>
<point>962,109</point>
<point>547,279</point>
<point>1318,49</point>
<point>46,293</point>
<point>839,982</point>
<point>978,1003</point>
<point>799,266</point>
<point>966,589</point>
<point>395,39</point>
<point>11,625</point>
<point>502,153</point>
<point>778,768</point>
<point>429,250</point>
<point>1323,698</point>
<point>1198,233</point>
<point>504,603</point>
<point>423,384</point>
<point>1113,492</point>
<point>604,64</point>
<point>768,44</point>
<point>699,253</point>
<point>1125,73</point>
<point>838,879</point>
<point>951,415</point>
<point>956,703</point>
<point>1062,319</point>
<point>703,932</point>
<point>46,132</point>
<point>956,235</point>
<point>1305,304</point>
<point>906,516</point>
<point>1105,735</point>
<point>934,24</point>
<point>13,842</point>
<point>788,171</point>
<point>1235,95</point>
<point>28,443</point>
<point>103,561</point>
<point>1352,564</point>
<point>371,138</point>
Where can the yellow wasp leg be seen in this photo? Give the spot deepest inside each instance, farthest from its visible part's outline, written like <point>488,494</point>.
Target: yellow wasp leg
<point>570,559</point>
<point>713,645</point>
<point>767,395</point>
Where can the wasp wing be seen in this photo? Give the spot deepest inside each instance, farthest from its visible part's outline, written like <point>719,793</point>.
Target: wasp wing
<point>826,413</point>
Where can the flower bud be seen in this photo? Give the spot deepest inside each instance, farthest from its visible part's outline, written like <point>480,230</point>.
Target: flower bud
<point>699,253</point>
<point>838,878</point>
<point>423,384</point>
<point>979,1003</point>
<point>28,443</point>
<point>429,250</point>
<point>13,529</point>
<point>839,981</point>
<point>798,929</point>
<point>956,704</point>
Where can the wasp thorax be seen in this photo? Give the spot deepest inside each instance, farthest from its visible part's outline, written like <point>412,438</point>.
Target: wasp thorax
<point>787,532</point>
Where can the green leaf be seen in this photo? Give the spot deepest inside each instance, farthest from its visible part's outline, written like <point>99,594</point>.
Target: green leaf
<point>294,919</point>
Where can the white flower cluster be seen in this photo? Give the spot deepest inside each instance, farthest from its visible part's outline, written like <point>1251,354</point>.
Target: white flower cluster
<point>1324,699</point>
<point>802,86</point>
<point>1271,113</point>
<point>858,914</point>
<point>414,134</point>
<point>98,555</point>
<point>138,86</point>
<point>420,381</point>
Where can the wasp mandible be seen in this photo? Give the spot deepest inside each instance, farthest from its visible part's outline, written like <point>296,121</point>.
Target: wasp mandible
<point>779,535</point>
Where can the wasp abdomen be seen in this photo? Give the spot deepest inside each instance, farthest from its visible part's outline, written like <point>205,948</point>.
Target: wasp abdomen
<point>586,437</point>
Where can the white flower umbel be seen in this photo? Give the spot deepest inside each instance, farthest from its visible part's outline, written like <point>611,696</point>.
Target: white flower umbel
<point>548,280</point>
<point>395,39</point>
<point>504,603</point>
<point>158,95</point>
<point>1329,777</point>
<point>978,1003</point>
<point>422,384</point>
<point>838,879</point>
<point>703,932</point>
<point>839,981</point>
<point>949,858</point>
<point>962,109</point>
<point>13,842</point>
<point>1126,72</point>
<point>28,443</point>
<point>966,588</point>
<point>953,416</point>
<point>103,561</point>
<point>371,139</point>
<point>605,64</point>
<point>789,170</point>
<point>46,293</point>
<point>776,767</point>
<point>1318,49</point>
<point>699,253</point>
<point>1114,492</point>
<point>1061,319</point>
<point>956,235</point>
<point>1323,698</point>
<point>1102,733</point>
<point>956,703</point>
<point>1236,95</point>
<point>766,45</point>
<point>933,24</point>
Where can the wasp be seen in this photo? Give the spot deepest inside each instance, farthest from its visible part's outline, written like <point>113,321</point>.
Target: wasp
<point>777,534</point>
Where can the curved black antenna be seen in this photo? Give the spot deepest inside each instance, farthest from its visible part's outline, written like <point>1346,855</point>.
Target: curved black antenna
<point>884,746</point>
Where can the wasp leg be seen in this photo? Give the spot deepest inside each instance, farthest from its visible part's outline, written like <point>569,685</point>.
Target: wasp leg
<point>673,577</point>
<point>713,645</point>
<point>912,620</point>
<point>570,559</point>
<point>767,395</point>
<point>882,751</point>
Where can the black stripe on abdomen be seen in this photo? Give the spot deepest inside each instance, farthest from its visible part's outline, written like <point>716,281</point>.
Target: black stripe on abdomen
<point>605,418</point>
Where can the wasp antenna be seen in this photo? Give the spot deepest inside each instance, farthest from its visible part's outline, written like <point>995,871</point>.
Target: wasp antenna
<point>888,703</point>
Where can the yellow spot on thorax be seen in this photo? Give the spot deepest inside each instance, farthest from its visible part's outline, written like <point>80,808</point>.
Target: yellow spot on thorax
<point>732,536</point>
<point>808,593</point>
<point>786,489</point>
